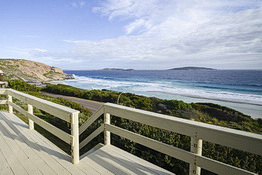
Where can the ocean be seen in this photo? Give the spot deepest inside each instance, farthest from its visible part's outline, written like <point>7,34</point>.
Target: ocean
<point>238,89</point>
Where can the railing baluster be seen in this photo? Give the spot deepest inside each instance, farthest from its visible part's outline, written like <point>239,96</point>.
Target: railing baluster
<point>107,138</point>
<point>75,141</point>
<point>62,112</point>
<point>196,147</point>
<point>10,108</point>
<point>30,111</point>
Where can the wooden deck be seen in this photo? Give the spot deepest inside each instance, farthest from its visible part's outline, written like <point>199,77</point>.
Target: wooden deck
<point>24,151</point>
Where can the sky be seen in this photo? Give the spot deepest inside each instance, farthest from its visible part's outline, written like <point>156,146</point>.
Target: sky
<point>138,34</point>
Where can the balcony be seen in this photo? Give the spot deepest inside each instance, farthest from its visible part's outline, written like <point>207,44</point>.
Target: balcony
<point>25,151</point>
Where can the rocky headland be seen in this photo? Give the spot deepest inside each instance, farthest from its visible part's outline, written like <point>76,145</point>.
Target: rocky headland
<point>31,71</point>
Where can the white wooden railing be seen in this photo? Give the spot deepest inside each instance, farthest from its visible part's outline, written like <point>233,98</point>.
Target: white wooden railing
<point>196,130</point>
<point>67,114</point>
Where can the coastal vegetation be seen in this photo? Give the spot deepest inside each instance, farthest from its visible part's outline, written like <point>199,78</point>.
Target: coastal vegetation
<point>203,112</point>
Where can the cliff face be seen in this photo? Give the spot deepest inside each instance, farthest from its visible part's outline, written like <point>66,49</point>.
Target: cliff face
<point>31,71</point>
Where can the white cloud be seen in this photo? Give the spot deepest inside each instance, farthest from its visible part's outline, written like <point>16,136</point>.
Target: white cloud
<point>164,33</point>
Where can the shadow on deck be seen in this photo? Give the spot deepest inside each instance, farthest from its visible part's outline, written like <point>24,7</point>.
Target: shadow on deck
<point>24,151</point>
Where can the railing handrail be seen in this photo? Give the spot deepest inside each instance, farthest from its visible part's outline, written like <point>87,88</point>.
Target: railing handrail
<point>204,131</point>
<point>65,113</point>
<point>198,131</point>
<point>58,110</point>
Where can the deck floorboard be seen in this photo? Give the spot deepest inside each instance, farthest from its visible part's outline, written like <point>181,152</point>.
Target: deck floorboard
<point>24,151</point>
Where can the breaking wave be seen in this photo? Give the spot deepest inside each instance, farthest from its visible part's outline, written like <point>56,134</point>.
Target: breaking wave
<point>164,87</point>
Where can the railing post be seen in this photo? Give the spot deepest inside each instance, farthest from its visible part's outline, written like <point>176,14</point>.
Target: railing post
<point>107,138</point>
<point>10,108</point>
<point>30,111</point>
<point>75,141</point>
<point>196,147</point>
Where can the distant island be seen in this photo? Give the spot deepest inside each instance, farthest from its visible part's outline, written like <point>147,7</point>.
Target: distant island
<point>117,69</point>
<point>192,68</point>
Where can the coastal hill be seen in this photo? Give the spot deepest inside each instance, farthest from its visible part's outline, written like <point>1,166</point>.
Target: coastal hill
<point>31,71</point>
<point>192,68</point>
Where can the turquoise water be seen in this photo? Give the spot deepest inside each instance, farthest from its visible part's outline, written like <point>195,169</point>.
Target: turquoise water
<point>239,89</point>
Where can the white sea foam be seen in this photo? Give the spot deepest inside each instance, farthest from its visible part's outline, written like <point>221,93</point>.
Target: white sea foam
<point>163,87</point>
<point>109,84</point>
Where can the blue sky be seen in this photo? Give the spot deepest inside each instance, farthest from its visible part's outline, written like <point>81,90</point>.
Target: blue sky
<point>151,34</point>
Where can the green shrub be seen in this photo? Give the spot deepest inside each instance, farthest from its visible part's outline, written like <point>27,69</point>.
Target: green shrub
<point>22,86</point>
